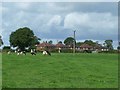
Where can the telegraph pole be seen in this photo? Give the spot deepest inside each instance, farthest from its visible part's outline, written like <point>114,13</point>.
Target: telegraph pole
<point>74,42</point>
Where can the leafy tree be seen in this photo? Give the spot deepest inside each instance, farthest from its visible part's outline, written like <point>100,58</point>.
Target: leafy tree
<point>60,42</point>
<point>69,41</point>
<point>104,44</point>
<point>6,48</point>
<point>118,46</point>
<point>1,42</point>
<point>22,38</point>
<point>35,40</point>
<point>50,42</point>
<point>108,44</point>
<point>79,43</point>
<point>90,42</point>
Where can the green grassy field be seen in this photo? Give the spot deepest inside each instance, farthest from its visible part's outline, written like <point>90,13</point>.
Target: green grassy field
<point>0,71</point>
<point>60,71</point>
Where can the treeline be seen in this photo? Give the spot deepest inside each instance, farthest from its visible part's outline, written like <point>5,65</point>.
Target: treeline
<point>24,38</point>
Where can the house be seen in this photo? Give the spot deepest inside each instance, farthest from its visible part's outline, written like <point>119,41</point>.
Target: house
<point>97,47</point>
<point>60,46</point>
<point>84,47</point>
<point>44,46</point>
<point>103,48</point>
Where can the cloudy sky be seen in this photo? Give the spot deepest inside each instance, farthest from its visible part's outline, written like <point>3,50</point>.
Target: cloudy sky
<point>57,20</point>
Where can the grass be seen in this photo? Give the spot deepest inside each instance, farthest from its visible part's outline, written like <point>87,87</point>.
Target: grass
<point>0,71</point>
<point>60,71</point>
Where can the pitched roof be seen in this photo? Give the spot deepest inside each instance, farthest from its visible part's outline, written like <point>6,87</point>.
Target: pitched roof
<point>44,44</point>
<point>60,45</point>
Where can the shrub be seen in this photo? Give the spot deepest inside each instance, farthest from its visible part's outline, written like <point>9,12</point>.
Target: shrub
<point>6,49</point>
<point>67,51</point>
<point>112,51</point>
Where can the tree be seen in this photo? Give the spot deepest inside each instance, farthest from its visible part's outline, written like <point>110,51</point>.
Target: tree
<point>90,42</point>
<point>23,38</point>
<point>108,44</point>
<point>118,47</point>
<point>6,48</point>
<point>69,41</point>
<point>79,43</point>
<point>104,44</point>
<point>1,41</point>
<point>50,42</point>
<point>35,40</point>
<point>60,42</point>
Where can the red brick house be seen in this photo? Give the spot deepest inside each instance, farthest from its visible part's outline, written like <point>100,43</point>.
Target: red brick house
<point>44,46</point>
<point>60,46</point>
<point>97,47</point>
<point>86,47</point>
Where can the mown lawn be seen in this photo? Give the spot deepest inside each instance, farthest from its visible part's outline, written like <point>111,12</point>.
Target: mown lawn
<point>60,71</point>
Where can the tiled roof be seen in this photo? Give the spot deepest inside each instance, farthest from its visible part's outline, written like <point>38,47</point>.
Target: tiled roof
<point>60,45</point>
<point>45,44</point>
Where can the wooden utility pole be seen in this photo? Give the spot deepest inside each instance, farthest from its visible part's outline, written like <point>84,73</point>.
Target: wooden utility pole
<point>74,42</point>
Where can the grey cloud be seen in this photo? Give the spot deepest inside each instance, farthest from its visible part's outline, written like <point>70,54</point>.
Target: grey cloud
<point>37,16</point>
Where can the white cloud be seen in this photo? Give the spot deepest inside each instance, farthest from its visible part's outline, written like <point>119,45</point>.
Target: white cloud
<point>5,9</point>
<point>1,30</point>
<point>73,19</point>
<point>93,20</point>
<point>60,0</point>
<point>55,20</point>
<point>23,5</point>
<point>93,23</point>
<point>0,7</point>
<point>102,20</point>
<point>46,18</point>
<point>1,19</point>
<point>20,14</point>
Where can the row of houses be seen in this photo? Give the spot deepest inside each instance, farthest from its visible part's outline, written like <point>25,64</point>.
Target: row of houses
<point>60,46</point>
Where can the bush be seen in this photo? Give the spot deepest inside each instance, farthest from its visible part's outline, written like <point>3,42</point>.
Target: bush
<point>62,50</point>
<point>112,51</point>
<point>6,49</point>
<point>54,50</point>
<point>67,51</point>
